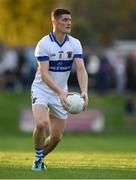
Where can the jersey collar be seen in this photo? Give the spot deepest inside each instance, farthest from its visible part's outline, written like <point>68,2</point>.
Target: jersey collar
<point>53,38</point>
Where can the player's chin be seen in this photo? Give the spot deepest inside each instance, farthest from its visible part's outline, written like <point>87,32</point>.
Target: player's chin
<point>68,31</point>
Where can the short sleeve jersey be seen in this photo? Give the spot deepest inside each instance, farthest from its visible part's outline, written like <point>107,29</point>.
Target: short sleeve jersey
<point>60,57</point>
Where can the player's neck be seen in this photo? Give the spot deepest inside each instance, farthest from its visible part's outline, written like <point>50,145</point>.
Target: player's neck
<point>59,36</point>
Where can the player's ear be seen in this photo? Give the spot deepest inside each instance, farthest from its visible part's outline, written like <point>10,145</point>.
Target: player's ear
<point>54,21</point>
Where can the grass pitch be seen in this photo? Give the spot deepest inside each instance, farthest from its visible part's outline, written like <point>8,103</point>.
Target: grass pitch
<point>77,157</point>
<point>70,165</point>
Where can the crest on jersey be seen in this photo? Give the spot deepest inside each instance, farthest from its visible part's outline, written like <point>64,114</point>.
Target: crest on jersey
<point>69,53</point>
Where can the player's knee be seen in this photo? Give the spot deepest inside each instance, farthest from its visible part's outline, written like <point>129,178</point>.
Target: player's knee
<point>41,126</point>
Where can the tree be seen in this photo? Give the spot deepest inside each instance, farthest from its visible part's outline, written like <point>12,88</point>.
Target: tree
<point>102,21</point>
<point>23,22</point>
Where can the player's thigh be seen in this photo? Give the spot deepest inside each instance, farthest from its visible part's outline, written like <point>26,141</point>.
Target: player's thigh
<point>57,126</point>
<point>40,114</point>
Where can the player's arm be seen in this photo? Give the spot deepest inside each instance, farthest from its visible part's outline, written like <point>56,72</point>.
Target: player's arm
<point>44,67</point>
<point>82,80</point>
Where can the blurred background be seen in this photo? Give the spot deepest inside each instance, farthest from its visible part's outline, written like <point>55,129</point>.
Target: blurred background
<point>107,31</point>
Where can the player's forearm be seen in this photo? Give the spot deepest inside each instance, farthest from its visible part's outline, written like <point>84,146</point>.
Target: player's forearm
<point>50,82</point>
<point>83,80</point>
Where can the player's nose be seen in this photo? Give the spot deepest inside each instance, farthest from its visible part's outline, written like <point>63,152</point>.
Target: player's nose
<point>69,21</point>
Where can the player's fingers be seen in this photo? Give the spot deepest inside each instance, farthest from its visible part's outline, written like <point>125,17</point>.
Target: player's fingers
<point>85,103</point>
<point>69,93</point>
<point>65,108</point>
<point>84,107</point>
<point>85,98</point>
<point>65,103</point>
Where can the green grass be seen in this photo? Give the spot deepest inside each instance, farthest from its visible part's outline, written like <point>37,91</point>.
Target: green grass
<point>111,155</point>
<point>11,103</point>
<point>74,143</point>
<point>81,156</point>
<point>70,165</point>
<point>113,108</point>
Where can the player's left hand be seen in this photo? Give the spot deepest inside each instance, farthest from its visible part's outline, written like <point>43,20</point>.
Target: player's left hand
<point>84,95</point>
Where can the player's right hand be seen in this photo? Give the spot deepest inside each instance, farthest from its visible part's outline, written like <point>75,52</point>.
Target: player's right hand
<point>63,98</point>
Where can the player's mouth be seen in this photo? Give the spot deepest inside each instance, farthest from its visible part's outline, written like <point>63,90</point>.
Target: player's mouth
<point>68,27</point>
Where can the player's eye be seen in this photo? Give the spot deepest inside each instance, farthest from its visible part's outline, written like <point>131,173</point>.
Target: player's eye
<point>66,20</point>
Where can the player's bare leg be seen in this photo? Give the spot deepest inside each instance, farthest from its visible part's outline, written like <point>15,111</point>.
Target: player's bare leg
<point>56,130</point>
<point>40,114</point>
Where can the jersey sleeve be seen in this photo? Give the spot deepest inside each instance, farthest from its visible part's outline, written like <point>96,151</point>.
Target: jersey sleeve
<point>78,54</point>
<point>41,51</point>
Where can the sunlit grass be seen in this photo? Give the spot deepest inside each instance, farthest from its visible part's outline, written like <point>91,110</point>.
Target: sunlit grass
<point>15,164</point>
<point>111,155</point>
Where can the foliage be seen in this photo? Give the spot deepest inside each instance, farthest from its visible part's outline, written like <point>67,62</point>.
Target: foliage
<point>94,21</point>
<point>24,22</point>
<point>106,19</point>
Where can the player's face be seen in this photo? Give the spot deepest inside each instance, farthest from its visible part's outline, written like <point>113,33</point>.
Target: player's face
<point>64,23</point>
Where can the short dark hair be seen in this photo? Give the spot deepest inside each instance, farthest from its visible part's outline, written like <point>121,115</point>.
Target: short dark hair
<point>56,13</point>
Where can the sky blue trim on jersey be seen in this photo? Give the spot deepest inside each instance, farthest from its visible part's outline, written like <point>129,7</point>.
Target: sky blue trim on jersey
<point>78,56</point>
<point>60,65</point>
<point>52,37</point>
<point>43,58</point>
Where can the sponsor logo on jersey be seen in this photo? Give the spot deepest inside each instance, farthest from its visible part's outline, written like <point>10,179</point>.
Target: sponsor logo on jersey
<point>53,54</point>
<point>60,54</point>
